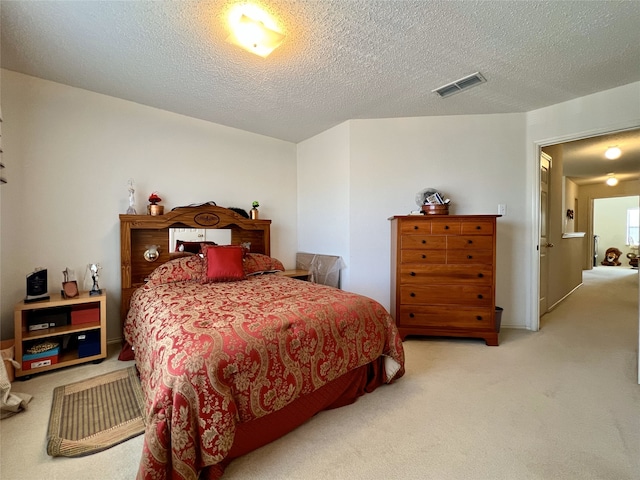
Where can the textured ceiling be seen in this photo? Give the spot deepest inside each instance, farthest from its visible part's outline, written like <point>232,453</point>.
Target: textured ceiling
<point>340,60</point>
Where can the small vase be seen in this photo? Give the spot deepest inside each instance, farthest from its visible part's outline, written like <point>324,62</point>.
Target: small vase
<point>155,209</point>
<point>254,214</point>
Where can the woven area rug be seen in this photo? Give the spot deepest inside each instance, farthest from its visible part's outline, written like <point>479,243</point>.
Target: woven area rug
<point>95,414</point>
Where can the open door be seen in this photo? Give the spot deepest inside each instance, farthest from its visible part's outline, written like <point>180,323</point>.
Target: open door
<point>545,176</point>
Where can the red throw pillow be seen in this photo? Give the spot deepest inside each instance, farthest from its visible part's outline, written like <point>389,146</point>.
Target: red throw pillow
<point>224,263</point>
<point>182,269</point>
<point>257,263</point>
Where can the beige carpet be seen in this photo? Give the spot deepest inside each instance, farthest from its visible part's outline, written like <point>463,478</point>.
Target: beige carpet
<point>562,403</point>
<point>23,437</point>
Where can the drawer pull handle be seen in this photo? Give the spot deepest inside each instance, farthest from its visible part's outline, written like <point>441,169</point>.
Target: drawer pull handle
<point>480,297</point>
<point>412,294</point>
<point>413,274</point>
<point>469,257</point>
<point>446,227</point>
<point>424,241</point>
<point>478,317</point>
<point>415,227</point>
<point>469,242</point>
<point>411,315</point>
<point>481,275</point>
<point>478,227</point>
<point>424,256</point>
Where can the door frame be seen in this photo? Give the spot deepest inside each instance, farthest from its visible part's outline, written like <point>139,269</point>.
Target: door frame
<point>533,321</point>
<point>540,247</point>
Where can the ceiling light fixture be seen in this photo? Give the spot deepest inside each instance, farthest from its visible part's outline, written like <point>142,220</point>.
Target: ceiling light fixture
<point>254,36</point>
<point>613,152</point>
<point>612,181</point>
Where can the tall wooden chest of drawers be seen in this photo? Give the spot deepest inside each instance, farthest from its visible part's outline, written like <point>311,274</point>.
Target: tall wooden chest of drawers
<point>443,270</point>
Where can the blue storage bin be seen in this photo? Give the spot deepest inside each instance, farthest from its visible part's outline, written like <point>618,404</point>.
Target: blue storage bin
<point>88,343</point>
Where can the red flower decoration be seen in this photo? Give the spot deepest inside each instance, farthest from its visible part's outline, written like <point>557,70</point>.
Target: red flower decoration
<point>154,198</point>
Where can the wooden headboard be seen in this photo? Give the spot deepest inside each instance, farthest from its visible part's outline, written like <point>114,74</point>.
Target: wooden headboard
<point>138,231</point>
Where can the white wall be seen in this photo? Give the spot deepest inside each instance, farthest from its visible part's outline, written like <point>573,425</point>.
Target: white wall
<point>323,195</point>
<point>69,154</point>
<point>610,224</point>
<point>478,161</point>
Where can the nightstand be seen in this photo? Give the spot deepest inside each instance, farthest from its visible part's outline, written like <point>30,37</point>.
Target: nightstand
<point>78,325</point>
<point>296,273</point>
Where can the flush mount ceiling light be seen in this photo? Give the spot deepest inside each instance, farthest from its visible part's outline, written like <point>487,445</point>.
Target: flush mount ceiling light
<point>612,181</point>
<point>613,152</point>
<point>253,34</point>
<point>460,85</point>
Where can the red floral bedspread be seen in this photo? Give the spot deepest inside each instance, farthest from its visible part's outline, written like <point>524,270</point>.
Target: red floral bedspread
<point>213,355</point>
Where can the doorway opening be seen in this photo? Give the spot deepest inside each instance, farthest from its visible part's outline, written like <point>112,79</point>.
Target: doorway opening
<point>615,224</point>
<point>578,189</point>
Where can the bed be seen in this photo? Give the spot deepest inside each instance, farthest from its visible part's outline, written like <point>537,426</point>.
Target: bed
<point>232,355</point>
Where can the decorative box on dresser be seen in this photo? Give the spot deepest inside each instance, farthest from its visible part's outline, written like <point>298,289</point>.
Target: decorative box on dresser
<point>443,270</point>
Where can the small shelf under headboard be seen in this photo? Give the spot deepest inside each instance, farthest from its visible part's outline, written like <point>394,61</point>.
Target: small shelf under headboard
<point>139,231</point>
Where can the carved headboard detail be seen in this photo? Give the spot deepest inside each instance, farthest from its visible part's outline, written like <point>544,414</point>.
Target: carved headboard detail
<point>138,231</point>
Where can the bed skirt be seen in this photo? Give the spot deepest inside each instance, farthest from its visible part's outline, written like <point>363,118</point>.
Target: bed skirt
<point>340,392</point>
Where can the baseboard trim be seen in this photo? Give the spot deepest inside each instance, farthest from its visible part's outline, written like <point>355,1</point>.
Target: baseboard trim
<point>563,298</point>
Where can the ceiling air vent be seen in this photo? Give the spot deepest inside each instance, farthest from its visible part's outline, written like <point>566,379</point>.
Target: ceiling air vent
<point>459,85</point>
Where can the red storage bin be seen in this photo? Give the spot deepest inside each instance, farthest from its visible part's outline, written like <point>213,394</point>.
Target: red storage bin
<point>40,362</point>
<point>85,313</point>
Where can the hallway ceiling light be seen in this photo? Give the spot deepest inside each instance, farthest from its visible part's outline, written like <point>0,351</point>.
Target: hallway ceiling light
<point>612,181</point>
<point>254,36</point>
<point>613,152</point>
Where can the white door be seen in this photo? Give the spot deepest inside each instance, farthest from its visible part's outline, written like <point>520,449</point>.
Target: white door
<point>544,245</point>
